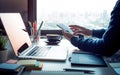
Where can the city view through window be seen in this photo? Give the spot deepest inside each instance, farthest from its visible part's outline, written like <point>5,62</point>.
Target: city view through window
<point>93,14</point>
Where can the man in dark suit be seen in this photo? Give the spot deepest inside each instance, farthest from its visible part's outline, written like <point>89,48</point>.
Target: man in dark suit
<point>108,41</point>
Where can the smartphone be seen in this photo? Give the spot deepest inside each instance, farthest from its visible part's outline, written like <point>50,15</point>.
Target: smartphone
<point>65,28</point>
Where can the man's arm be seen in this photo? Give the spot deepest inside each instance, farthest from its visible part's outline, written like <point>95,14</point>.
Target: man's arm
<point>98,33</point>
<point>110,41</point>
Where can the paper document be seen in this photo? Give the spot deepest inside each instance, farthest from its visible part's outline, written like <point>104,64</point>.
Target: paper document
<point>65,28</point>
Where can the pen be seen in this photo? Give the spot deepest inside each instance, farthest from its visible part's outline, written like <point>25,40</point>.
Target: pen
<point>30,24</point>
<point>39,29</point>
<point>31,28</point>
<point>35,27</point>
<point>36,38</point>
<point>40,26</point>
<point>78,70</point>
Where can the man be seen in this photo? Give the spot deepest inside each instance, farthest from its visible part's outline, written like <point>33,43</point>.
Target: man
<point>109,39</point>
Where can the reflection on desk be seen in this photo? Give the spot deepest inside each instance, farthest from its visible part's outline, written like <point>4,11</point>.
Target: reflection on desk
<point>59,66</point>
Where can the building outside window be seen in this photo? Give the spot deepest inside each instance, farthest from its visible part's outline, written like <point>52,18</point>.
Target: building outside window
<point>93,14</point>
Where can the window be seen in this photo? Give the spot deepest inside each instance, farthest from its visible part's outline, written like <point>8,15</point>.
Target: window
<point>87,13</point>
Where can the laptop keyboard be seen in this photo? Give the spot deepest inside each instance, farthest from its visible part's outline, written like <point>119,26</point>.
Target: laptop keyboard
<point>39,51</point>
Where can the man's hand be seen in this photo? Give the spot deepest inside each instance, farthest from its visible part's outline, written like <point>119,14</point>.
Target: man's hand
<point>80,30</point>
<point>67,35</point>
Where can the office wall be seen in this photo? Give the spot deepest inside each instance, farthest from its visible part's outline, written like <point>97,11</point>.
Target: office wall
<point>20,6</point>
<point>27,8</point>
<point>15,6</point>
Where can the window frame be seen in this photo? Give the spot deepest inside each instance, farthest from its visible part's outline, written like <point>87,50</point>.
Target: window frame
<point>32,16</point>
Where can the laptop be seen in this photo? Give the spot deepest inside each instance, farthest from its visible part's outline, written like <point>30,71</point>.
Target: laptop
<point>21,43</point>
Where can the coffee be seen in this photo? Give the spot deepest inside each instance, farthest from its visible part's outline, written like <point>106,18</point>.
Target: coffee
<point>53,37</point>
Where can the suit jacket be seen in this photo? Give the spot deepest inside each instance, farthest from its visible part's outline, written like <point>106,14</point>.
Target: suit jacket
<point>109,39</point>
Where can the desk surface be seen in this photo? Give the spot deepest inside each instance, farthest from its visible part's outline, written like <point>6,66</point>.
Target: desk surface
<point>59,66</point>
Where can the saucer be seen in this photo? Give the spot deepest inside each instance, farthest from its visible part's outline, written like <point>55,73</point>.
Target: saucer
<point>52,43</point>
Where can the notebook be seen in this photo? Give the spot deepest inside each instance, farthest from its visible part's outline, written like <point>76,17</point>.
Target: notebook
<point>21,43</point>
<point>87,59</point>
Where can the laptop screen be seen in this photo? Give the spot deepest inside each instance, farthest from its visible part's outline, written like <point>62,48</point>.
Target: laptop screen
<point>14,27</point>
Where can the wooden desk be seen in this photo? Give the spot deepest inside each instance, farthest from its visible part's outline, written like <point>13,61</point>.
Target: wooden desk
<point>58,66</point>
